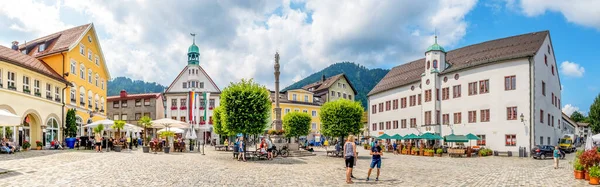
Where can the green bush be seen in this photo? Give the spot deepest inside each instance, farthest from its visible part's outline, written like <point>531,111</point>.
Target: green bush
<point>595,171</point>
<point>576,165</point>
<point>439,151</point>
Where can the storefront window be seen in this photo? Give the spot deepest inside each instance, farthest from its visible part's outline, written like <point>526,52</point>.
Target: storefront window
<point>51,130</point>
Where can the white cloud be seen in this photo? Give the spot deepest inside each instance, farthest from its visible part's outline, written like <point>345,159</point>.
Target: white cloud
<point>568,109</point>
<point>582,12</point>
<point>571,69</point>
<point>149,40</point>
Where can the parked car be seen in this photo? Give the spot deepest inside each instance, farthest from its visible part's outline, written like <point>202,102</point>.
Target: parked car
<point>545,151</point>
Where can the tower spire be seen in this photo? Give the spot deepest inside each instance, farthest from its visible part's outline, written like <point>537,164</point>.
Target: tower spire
<point>193,37</point>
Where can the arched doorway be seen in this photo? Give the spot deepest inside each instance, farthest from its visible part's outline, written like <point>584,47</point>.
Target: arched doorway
<point>30,129</point>
<point>52,130</point>
<point>79,122</point>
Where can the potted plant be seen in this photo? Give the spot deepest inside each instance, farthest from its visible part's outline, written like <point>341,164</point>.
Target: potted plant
<point>26,145</point>
<point>145,122</point>
<point>413,151</point>
<point>588,159</point>
<point>439,152</point>
<point>39,145</point>
<point>166,135</point>
<point>118,125</point>
<point>578,169</point>
<point>71,128</point>
<point>404,151</point>
<point>594,175</point>
<point>98,130</point>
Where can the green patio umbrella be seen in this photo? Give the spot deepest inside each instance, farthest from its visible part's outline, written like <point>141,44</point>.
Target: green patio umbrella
<point>472,137</point>
<point>428,136</point>
<point>384,136</point>
<point>437,137</point>
<point>397,137</point>
<point>456,138</point>
<point>411,136</point>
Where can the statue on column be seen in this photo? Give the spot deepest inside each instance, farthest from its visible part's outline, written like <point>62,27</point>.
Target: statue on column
<point>277,123</point>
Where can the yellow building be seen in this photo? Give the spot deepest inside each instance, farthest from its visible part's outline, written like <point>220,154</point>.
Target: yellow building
<point>76,55</point>
<point>299,100</point>
<point>29,88</point>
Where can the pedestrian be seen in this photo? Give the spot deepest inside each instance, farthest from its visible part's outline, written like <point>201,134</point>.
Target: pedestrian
<point>349,155</point>
<point>556,157</point>
<point>395,146</point>
<point>376,161</point>
<point>240,145</point>
<point>226,143</point>
<point>98,140</point>
<point>269,149</point>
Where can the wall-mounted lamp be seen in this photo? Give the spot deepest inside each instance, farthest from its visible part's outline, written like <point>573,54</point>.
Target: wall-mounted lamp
<point>66,74</point>
<point>522,118</point>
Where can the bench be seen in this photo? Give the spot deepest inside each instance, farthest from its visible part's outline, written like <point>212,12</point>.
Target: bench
<point>258,155</point>
<point>221,147</point>
<point>456,152</point>
<point>503,153</point>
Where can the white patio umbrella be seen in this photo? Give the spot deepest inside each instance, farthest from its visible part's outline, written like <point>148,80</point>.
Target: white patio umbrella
<point>106,122</point>
<point>175,130</point>
<point>9,119</point>
<point>168,123</point>
<point>589,143</point>
<point>596,138</point>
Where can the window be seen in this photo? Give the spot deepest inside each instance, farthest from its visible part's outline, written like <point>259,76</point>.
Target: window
<point>413,122</point>
<point>146,102</point>
<point>339,94</point>
<point>549,140</point>
<point>412,100</point>
<point>90,75</point>
<point>48,91</point>
<point>97,61</point>
<point>395,124</point>
<point>173,102</point>
<point>73,68</point>
<point>102,84</point>
<point>349,97</point>
<point>333,93</point>
<point>374,109</point>
<point>511,140</point>
<point>387,105</point>
<point>42,47</point>
<point>427,95</point>
<point>183,103</point>
<point>419,99</point>
<point>435,63</point>
<point>97,77</point>
<point>437,117</point>
<point>25,83</point>
<point>437,94</point>
<point>552,67</point>
<point>374,128</point>
<point>287,110</point>
<point>89,54</point>
<point>124,117</point>
<point>381,126</point>
<point>73,96</point>
<point>546,59</point>
<point>57,94</point>
<point>428,63</point>
<point>116,117</point>
<point>380,107</point>
<point>124,104</point>
<point>138,102</point>
<point>403,102</point>
<point>81,49</point>
<point>184,85</point>
<point>552,99</point>
<point>549,122</point>
<point>552,121</point>
<point>306,98</point>
<point>511,113</point>
<point>294,97</point>
<point>510,82</point>
<point>395,104</point>
<point>472,116</point>
<point>485,115</point>
<point>138,116</point>
<point>481,141</point>
<point>484,86</point>
<point>82,71</point>
<point>314,126</point>
<point>445,93</point>
<point>446,119</point>
<point>314,113</point>
<point>403,124</point>
<point>542,116</point>
<point>457,118</point>
<point>82,98</point>
<point>305,111</point>
<point>543,88</point>
<point>11,80</point>
<point>456,91</point>
<point>339,85</point>
<point>428,118</point>
<point>473,88</point>
<point>211,103</point>
<point>36,87</point>
<point>388,125</point>
<point>343,85</point>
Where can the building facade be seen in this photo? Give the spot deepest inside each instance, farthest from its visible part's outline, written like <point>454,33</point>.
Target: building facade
<point>568,126</point>
<point>332,88</point>
<point>76,55</point>
<point>193,95</point>
<point>583,130</point>
<point>131,107</point>
<point>505,91</point>
<point>300,100</point>
<point>33,91</point>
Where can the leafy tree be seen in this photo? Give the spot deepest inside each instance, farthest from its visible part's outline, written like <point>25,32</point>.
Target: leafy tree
<point>296,124</point>
<point>145,122</point>
<point>118,125</point>
<point>341,117</point>
<point>246,108</point>
<point>71,123</point>
<point>594,115</point>
<point>218,122</point>
<point>577,116</point>
<point>99,129</point>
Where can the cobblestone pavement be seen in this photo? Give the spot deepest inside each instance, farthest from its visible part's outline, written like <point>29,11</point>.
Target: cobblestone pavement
<point>216,168</point>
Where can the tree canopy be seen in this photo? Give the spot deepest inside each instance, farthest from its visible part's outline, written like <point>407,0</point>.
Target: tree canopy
<point>71,123</point>
<point>594,115</point>
<point>296,124</point>
<point>218,122</point>
<point>341,117</point>
<point>577,116</point>
<point>246,107</point>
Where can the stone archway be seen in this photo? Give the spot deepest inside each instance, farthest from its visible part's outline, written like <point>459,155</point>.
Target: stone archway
<point>31,128</point>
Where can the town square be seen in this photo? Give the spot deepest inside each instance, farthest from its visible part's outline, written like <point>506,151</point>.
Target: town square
<point>299,93</point>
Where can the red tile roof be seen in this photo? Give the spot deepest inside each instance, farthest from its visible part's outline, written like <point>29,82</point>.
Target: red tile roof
<point>513,47</point>
<point>59,42</point>
<point>324,85</point>
<point>28,62</point>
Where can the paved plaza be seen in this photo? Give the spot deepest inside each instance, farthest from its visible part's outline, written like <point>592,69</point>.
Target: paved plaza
<point>216,168</point>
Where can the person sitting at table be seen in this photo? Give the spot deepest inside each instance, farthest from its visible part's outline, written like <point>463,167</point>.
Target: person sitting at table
<point>4,147</point>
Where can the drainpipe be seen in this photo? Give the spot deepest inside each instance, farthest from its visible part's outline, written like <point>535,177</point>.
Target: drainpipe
<point>63,96</point>
<point>531,105</point>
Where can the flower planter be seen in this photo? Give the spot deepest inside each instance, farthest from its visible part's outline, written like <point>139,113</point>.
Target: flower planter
<point>594,180</point>
<point>439,155</point>
<point>38,148</point>
<point>578,174</point>
<point>146,149</point>
<point>167,149</point>
<point>117,148</point>
<point>587,175</point>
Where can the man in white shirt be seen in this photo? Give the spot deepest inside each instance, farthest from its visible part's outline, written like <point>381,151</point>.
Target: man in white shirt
<point>269,148</point>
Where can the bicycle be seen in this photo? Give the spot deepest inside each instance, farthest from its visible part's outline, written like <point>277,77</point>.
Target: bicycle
<point>284,152</point>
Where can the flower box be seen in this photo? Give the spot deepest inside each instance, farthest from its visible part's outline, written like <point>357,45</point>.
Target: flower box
<point>210,108</point>
<point>73,99</point>
<point>201,108</point>
<point>26,91</point>
<point>202,122</point>
<point>173,108</point>
<point>12,87</point>
<point>102,110</point>
<point>37,94</point>
<point>183,108</point>
<point>57,99</point>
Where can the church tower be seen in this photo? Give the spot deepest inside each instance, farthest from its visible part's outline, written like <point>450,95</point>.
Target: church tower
<point>435,62</point>
<point>193,53</point>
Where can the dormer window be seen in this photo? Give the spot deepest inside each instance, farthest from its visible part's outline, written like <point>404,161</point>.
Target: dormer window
<point>435,64</point>
<point>42,47</point>
<point>294,97</point>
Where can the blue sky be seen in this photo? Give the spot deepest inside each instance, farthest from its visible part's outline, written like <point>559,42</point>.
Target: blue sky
<point>237,39</point>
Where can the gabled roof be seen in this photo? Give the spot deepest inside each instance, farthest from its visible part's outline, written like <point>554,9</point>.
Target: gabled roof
<point>514,47</point>
<point>569,120</point>
<point>134,96</point>
<point>15,57</point>
<point>321,85</point>
<point>63,41</point>
<point>283,98</point>
<point>183,70</point>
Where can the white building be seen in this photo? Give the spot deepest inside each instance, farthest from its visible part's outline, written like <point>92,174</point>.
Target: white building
<point>583,130</point>
<point>568,125</point>
<point>192,96</point>
<point>506,91</point>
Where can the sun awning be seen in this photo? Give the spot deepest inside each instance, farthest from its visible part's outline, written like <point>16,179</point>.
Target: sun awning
<point>456,138</point>
<point>472,137</point>
<point>384,136</point>
<point>397,137</point>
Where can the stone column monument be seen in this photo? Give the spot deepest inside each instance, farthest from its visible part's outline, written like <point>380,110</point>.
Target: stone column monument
<point>277,122</point>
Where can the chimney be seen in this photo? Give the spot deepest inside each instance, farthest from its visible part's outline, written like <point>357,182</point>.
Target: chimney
<point>15,45</point>
<point>323,78</point>
<point>123,93</point>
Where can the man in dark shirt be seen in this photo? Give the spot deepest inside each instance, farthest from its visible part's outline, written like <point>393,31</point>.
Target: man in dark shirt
<point>376,152</point>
